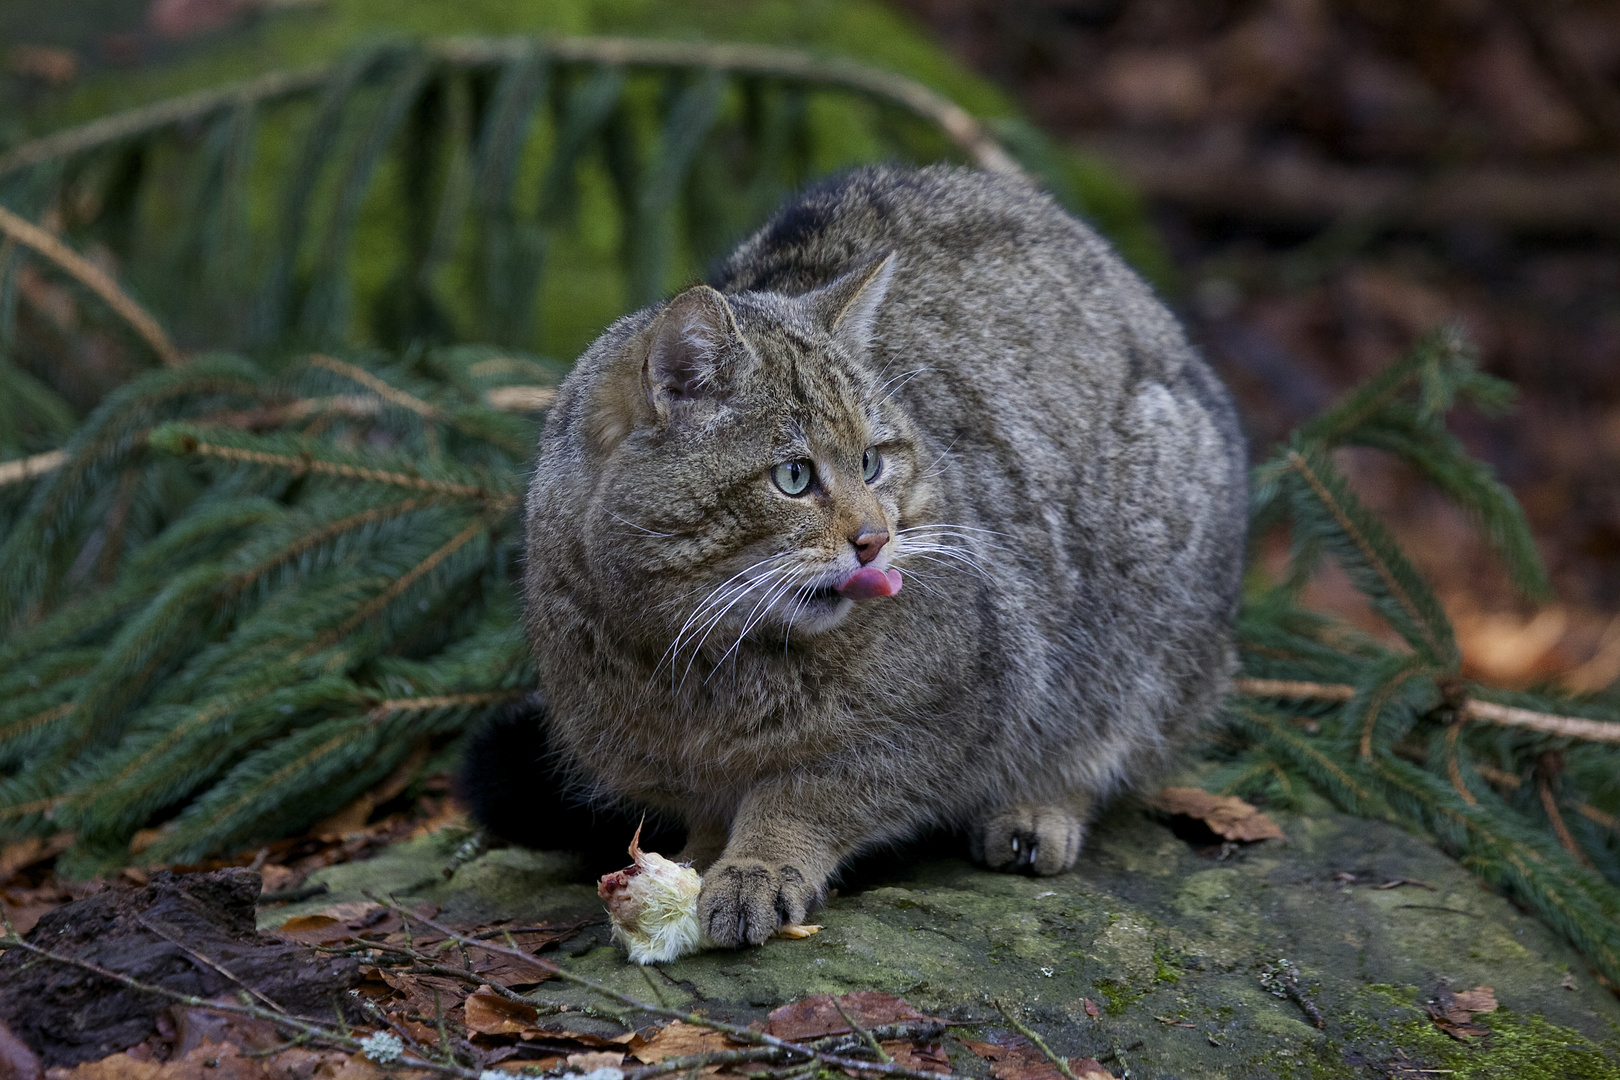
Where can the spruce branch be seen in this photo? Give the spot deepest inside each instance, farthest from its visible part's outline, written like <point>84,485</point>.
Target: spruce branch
<point>93,278</point>
<point>186,440</point>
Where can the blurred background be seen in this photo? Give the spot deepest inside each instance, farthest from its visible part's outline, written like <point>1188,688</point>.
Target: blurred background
<point>1312,184</point>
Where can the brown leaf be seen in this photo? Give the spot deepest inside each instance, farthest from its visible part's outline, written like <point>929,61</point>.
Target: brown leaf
<point>1481,999</point>
<point>1015,1058</point>
<point>418,991</point>
<point>596,1059</point>
<point>680,1039</point>
<point>1091,1008</point>
<point>210,1061</point>
<point>1227,817</point>
<point>1454,1013</point>
<point>487,1013</point>
<point>584,1038</point>
<point>923,1058</point>
<point>27,852</point>
<point>817,1015</point>
<point>507,970</point>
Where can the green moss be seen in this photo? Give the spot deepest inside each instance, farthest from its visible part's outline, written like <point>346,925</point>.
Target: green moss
<point>1117,996</point>
<point>1520,1046</point>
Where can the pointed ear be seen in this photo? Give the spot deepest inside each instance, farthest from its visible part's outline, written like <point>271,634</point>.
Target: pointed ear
<point>690,342</point>
<point>848,306</point>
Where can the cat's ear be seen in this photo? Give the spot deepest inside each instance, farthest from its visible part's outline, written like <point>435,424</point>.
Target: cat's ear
<point>689,348</point>
<point>848,306</point>
<point>690,341</point>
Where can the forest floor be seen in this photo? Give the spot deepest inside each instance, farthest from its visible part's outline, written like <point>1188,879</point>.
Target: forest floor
<point>1345,948</point>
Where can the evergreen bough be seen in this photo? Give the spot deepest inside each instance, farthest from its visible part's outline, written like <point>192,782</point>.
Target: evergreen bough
<point>241,593</point>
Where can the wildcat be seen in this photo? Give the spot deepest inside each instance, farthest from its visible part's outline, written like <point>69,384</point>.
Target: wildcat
<point>922,512</point>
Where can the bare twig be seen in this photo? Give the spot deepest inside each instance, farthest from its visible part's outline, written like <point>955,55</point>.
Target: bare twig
<point>970,137</point>
<point>1040,1044</point>
<point>92,277</point>
<point>866,1036</point>
<point>205,961</point>
<point>1573,727</point>
<point>27,468</point>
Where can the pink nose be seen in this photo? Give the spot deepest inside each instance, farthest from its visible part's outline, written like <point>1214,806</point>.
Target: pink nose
<point>868,544</point>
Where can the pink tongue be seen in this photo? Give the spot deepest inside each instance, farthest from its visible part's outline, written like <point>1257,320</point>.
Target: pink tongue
<point>869,582</point>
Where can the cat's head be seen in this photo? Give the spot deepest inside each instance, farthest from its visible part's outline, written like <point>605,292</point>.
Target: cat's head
<point>750,466</point>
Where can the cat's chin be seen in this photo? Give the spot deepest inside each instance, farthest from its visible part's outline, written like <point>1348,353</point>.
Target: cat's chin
<point>819,612</point>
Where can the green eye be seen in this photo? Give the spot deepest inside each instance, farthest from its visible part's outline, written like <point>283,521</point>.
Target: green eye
<point>871,464</point>
<point>794,477</point>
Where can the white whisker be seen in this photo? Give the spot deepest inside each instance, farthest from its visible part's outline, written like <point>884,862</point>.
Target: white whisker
<point>640,528</point>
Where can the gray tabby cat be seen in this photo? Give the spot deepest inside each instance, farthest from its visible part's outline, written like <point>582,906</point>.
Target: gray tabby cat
<point>925,513</point>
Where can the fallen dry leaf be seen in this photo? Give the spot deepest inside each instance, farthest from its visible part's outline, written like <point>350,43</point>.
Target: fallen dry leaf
<point>680,1039</point>
<point>592,1060</point>
<point>1454,1013</point>
<point>209,1061</point>
<point>1227,817</point>
<point>34,849</point>
<point>1015,1059</point>
<point>1091,1008</point>
<point>487,1013</point>
<point>313,930</point>
<point>1089,1069</point>
<point>923,1058</point>
<point>1481,999</point>
<point>817,1015</point>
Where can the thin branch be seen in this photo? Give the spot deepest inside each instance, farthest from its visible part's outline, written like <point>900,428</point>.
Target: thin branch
<point>205,961</point>
<point>1297,462</point>
<point>12,472</point>
<point>1572,727</point>
<point>95,279</point>
<point>1040,1044</point>
<point>970,137</point>
<point>300,465</point>
<point>1550,805</point>
<point>442,701</point>
<point>375,385</point>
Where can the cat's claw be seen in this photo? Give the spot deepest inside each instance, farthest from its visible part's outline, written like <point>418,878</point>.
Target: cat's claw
<point>744,901</point>
<point>1038,840</point>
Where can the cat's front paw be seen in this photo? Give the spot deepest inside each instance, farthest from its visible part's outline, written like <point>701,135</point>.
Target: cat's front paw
<point>745,900</point>
<point>1039,840</point>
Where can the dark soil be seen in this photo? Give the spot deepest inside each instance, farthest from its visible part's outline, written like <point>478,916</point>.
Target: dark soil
<point>181,932</point>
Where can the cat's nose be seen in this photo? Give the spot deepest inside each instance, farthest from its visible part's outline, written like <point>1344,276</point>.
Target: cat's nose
<point>868,542</point>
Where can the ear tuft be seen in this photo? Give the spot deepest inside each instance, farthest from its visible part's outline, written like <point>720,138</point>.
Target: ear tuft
<point>689,343</point>
<point>848,306</point>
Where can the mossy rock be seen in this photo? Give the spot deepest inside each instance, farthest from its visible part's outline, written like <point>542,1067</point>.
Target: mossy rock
<point>1168,944</point>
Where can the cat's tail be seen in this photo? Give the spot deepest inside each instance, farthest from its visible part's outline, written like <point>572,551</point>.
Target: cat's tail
<point>518,789</point>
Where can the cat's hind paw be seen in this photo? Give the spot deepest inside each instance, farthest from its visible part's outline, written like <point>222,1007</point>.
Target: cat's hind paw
<point>745,900</point>
<point>1041,840</point>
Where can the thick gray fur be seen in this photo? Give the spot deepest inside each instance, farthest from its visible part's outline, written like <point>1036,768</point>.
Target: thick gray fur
<point>1049,648</point>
